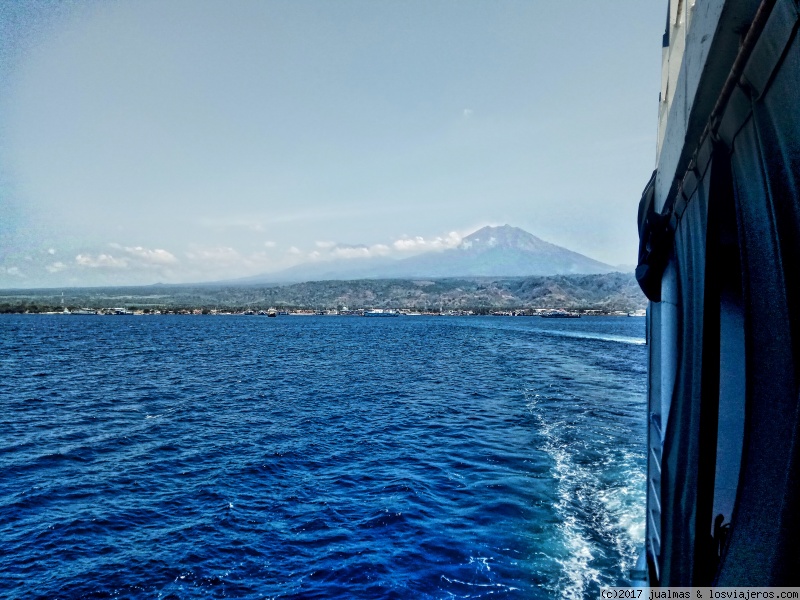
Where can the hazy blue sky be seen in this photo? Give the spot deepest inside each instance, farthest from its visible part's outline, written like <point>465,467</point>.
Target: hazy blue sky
<point>145,141</point>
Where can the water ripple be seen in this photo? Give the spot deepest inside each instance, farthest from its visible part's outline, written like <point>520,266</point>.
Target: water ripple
<point>196,457</point>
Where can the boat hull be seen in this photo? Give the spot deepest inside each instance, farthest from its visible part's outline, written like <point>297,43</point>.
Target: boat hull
<point>719,226</point>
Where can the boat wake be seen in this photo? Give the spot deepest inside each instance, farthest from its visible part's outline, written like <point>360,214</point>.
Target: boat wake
<point>599,497</point>
<point>525,327</point>
<point>585,335</point>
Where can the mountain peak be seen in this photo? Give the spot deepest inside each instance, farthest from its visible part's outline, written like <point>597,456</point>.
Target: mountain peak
<point>501,230</point>
<point>503,236</point>
<point>499,251</point>
<point>492,251</point>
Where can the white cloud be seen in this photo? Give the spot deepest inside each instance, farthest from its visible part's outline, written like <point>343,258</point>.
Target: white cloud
<point>467,113</point>
<point>14,271</point>
<point>51,251</point>
<point>332,251</point>
<point>404,244</point>
<point>360,251</point>
<point>56,267</point>
<point>100,261</point>
<point>270,244</point>
<point>137,257</point>
<point>420,244</point>
<point>152,257</point>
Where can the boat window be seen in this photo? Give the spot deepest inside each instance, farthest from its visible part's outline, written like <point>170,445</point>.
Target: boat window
<point>730,424</point>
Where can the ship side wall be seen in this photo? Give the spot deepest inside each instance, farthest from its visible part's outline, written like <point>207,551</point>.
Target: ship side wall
<point>724,326</point>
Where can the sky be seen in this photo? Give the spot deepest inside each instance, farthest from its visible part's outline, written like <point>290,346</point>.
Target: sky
<point>188,140</point>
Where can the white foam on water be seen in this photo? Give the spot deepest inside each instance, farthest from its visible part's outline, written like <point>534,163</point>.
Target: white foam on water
<point>480,585</point>
<point>577,572</point>
<point>483,562</point>
<point>576,334</point>
<point>624,512</point>
<point>585,335</point>
<point>587,506</point>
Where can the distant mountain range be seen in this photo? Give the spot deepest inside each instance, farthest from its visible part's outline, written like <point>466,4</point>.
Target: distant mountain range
<point>504,251</point>
<point>606,292</point>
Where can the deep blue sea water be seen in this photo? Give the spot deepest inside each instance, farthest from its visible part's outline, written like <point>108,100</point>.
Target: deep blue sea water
<point>319,457</point>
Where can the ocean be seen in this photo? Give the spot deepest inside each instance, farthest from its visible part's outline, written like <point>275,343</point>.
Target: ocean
<point>320,457</point>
